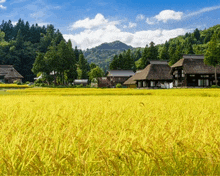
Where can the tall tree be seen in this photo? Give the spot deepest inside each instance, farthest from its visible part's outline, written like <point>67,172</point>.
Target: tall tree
<point>84,67</point>
<point>145,58</point>
<point>212,55</point>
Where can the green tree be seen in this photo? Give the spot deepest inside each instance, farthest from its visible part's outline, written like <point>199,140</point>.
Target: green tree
<point>164,55</point>
<point>115,63</point>
<point>212,55</point>
<point>145,58</point>
<point>96,72</point>
<point>83,66</point>
<point>92,65</point>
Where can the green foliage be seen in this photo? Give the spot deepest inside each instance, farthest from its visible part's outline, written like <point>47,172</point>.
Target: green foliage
<point>96,72</point>
<point>212,55</point>
<point>79,86</point>
<point>215,86</point>
<point>118,85</point>
<point>125,61</point>
<point>84,67</point>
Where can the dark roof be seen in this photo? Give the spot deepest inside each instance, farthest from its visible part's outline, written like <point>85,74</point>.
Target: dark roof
<point>81,81</point>
<point>131,80</point>
<point>120,73</point>
<point>8,71</point>
<point>155,71</point>
<point>194,64</point>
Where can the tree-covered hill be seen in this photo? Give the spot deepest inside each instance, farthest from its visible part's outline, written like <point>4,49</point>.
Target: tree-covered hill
<point>103,54</point>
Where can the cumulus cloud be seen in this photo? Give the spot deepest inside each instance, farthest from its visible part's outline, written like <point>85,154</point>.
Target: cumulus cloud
<point>98,22</point>
<point>1,6</point>
<point>166,15</point>
<point>92,36</point>
<point>140,17</point>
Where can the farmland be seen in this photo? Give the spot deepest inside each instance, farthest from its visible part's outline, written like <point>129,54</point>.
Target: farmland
<point>109,132</point>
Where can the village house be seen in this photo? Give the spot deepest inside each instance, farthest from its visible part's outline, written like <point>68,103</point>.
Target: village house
<point>8,74</point>
<point>190,71</point>
<point>131,82</point>
<point>115,77</point>
<point>155,75</point>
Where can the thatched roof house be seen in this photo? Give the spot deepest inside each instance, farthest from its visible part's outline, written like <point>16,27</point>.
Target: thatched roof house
<point>192,71</point>
<point>155,74</point>
<point>8,74</point>
<point>131,82</point>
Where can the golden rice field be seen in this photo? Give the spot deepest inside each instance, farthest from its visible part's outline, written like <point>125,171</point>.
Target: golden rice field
<point>110,132</point>
<point>13,86</point>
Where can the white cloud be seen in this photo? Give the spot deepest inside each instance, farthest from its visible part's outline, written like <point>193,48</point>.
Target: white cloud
<point>14,23</point>
<point>140,17</point>
<point>2,7</point>
<point>150,22</point>
<point>166,15</point>
<point>207,9</point>
<point>130,25</point>
<point>98,22</point>
<point>93,36</point>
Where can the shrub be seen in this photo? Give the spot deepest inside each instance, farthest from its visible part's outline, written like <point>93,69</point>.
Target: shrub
<point>215,86</point>
<point>79,86</point>
<point>118,85</point>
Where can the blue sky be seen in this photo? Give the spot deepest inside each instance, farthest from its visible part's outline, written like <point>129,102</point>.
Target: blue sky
<point>134,22</point>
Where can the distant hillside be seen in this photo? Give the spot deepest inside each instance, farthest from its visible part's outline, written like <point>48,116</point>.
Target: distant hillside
<point>103,54</point>
<point>117,45</point>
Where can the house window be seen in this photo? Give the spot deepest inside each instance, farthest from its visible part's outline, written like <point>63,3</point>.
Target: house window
<point>152,83</point>
<point>144,84</point>
<point>203,82</point>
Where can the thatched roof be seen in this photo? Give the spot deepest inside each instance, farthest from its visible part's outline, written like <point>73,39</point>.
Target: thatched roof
<point>156,70</point>
<point>131,80</point>
<point>8,72</point>
<point>120,73</point>
<point>194,64</point>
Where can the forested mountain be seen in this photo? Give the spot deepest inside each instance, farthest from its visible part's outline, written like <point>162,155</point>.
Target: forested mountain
<point>103,54</point>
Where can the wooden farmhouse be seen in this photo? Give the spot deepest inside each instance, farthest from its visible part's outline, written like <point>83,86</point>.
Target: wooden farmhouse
<point>114,77</point>
<point>156,74</point>
<point>8,74</point>
<point>190,71</point>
